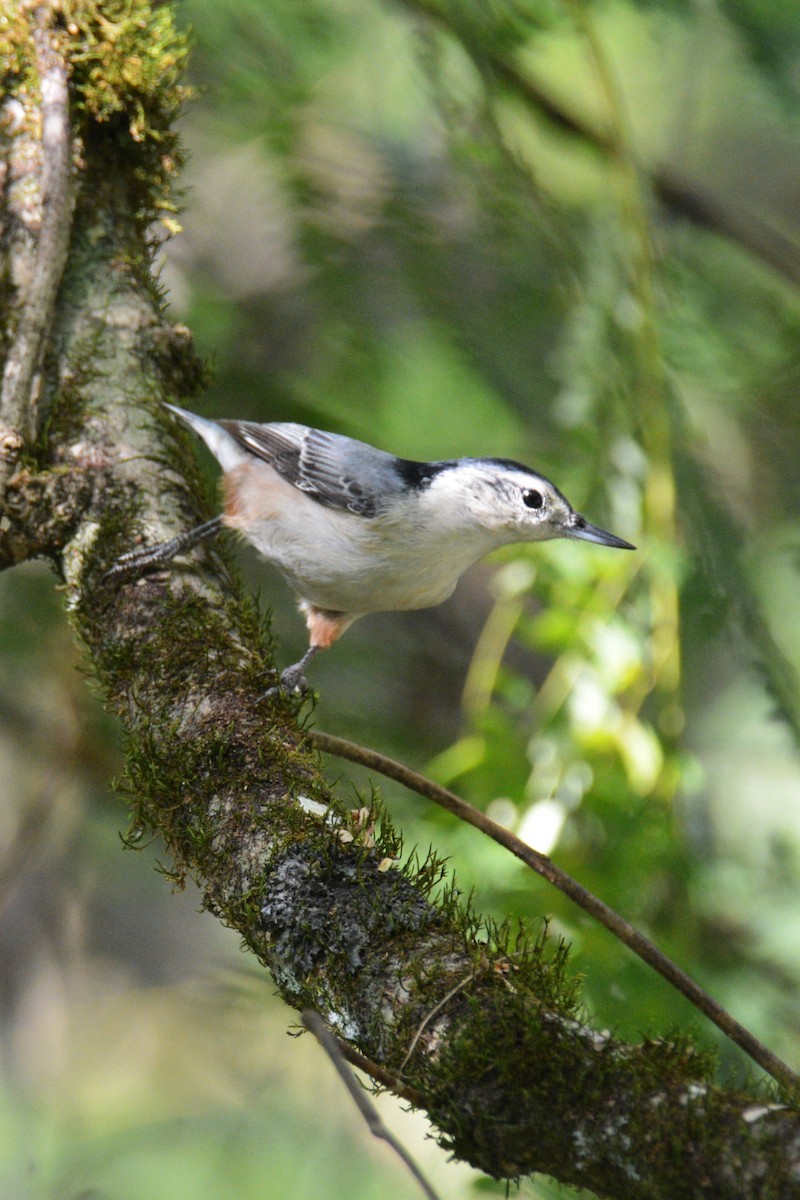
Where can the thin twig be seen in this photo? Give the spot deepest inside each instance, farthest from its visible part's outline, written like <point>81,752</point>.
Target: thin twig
<point>437,1008</point>
<point>544,866</point>
<point>336,1053</point>
<point>382,1076</point>
<point>30,835</point>
<point>57,201</point>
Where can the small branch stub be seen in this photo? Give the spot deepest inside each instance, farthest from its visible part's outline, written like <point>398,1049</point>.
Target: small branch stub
<point>11,445</point>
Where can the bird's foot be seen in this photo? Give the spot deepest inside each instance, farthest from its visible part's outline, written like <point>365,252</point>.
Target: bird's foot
<point>137,562</point>
<point>292,682</point>
<point>293,679</point>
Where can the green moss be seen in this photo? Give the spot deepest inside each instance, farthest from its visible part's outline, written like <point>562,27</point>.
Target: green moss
<point>526,1057</point>
<point>16,49</point>
<point>125,59</point>
<point>183,764</point>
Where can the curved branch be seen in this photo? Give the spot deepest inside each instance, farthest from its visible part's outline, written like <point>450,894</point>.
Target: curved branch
<point>591,904</point>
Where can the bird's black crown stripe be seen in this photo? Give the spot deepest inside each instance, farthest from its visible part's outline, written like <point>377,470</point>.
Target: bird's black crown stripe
<point>418,475</point>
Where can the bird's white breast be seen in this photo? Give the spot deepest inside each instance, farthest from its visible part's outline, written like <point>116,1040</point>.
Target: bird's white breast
<point>344,562</point>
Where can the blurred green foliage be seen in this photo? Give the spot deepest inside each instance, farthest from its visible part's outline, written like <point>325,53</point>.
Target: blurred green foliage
<point>386,233</point>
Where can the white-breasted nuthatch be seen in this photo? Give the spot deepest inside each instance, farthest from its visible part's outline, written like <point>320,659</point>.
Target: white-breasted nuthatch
<point>355,530</point>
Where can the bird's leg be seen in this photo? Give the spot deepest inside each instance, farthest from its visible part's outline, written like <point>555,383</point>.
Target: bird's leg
<point>293,678</point>
<point>136,562</point>
<point>325,625</point>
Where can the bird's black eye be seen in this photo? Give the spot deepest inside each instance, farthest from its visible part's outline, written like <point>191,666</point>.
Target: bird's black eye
<point>532,499</point>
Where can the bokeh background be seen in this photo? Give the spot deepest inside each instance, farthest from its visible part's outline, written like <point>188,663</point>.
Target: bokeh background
<point>553,230</point>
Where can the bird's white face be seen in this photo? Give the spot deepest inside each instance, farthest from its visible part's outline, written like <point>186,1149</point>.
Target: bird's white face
<point>528,506</point>
<point>510,503</point>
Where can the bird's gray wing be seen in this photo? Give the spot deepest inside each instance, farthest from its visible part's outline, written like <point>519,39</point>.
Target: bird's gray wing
<point>338,471</point>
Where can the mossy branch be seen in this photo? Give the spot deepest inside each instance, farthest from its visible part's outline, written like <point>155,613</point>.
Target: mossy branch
<point>39,229</point>
<point>481,1027</point>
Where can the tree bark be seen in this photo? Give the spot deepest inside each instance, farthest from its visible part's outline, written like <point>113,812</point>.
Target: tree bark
<point>480,1028</point>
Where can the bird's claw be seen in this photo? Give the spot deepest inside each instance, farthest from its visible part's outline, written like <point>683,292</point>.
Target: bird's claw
<point>133,562</point>
<point>292,682</point>
<point>136,562</point>
<point>292,679</point>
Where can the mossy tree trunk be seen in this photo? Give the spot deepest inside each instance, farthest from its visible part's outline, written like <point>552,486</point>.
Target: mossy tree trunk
<point>513,1081</point>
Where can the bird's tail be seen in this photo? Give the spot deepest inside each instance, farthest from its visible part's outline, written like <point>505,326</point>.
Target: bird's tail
<point>228,452</point>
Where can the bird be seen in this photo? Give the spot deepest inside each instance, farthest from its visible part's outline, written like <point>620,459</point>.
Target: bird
<point>356,530</point>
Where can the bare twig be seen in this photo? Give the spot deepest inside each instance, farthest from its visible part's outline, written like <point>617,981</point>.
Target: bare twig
<point>30,835</point>
<point>437,1008</point>
<point>544,866</point>
<point>380,1074</point>
<point>335,1051</point>
<point>17,404</point>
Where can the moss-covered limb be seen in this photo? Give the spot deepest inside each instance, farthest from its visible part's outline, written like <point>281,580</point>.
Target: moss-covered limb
<point>46,213</point>
<point>67,70</point>
<point>609,1130</point>
<point>485,1031</point>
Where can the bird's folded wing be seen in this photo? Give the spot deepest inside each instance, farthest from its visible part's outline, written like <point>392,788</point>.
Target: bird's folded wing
<point>327,466</point>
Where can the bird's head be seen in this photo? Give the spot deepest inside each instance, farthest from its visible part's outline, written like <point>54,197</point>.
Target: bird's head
<point>512,503</point>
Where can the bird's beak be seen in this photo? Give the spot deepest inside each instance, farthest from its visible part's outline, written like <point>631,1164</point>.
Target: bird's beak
<point>579,527</point>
